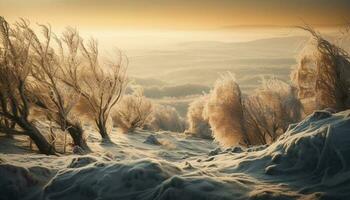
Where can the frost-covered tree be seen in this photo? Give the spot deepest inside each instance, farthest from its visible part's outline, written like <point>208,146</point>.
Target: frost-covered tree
<point>16,64</point>
<point>100,86</point>
<point>52,96</point>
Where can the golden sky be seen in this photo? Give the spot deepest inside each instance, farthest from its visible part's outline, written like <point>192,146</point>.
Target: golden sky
<point>177,14</point>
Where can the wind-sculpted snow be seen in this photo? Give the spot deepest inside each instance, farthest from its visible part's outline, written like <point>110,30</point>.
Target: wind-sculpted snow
<point>310,161</point>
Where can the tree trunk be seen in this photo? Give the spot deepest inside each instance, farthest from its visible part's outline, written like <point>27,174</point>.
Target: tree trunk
<point>76,132</point>
<point>10,125</point>
<point>103,132</point>
<point>40,141</point>
<point>8,135</point>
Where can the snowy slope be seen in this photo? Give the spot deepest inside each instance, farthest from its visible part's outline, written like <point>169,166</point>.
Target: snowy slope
<point>310,161</point>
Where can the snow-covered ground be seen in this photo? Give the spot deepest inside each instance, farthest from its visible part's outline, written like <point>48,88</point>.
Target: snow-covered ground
<point>310,161</point>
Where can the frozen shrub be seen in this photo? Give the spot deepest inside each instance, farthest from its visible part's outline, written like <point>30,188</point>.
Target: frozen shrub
<point>225,112</point>
<point>258,118</point>
<point>269,111</point>
<point>304,78</point>
<point>133,111</point>
<point>322,78</point>
<point>197,119</point>
<point>165,118</point>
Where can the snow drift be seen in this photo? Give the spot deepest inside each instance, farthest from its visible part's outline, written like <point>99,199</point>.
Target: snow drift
<point>309,161</point>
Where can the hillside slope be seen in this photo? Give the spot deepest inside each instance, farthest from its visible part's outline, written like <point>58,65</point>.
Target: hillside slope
<point>310,161</point>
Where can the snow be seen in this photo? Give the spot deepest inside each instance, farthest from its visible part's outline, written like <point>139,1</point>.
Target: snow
<point>310,161</point>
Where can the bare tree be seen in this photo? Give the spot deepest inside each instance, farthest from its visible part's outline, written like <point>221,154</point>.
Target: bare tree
<point>133,111</point>
<point>52,95</point>
<point>15,67</point>
<point>100,86</point>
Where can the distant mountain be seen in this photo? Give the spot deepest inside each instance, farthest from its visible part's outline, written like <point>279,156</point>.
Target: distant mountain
<point>276,42</point>
<point>253,27</point>
<point>146,82</point>
<point>175,90</point>
<point>317,26</point>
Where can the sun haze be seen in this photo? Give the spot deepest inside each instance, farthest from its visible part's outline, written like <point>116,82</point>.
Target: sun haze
<point>180,14</point>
